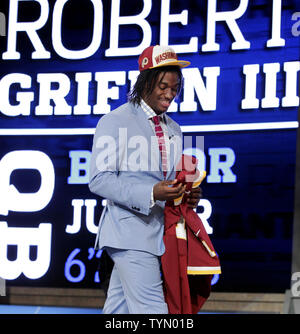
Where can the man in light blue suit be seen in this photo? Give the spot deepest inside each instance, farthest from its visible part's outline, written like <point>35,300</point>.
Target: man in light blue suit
<point>136,176</point>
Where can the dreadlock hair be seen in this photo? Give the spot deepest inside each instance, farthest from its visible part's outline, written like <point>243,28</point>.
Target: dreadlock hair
<point>147,79</point>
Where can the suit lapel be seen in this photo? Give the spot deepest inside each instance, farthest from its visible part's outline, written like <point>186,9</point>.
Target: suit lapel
<point>143,122</point>
<point>154,158</point>
<point>171,135</point>
<point>175,146</point>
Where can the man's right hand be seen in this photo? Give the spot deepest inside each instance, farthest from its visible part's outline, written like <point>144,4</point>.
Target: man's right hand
<point>164,190</point>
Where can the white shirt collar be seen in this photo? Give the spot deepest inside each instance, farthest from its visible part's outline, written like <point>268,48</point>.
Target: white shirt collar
<point>148,110</point>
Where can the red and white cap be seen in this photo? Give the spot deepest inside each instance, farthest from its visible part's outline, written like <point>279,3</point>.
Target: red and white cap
<point>159,55</point>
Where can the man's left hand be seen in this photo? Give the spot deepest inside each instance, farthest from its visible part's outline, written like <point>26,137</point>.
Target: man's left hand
<point>194,197</point>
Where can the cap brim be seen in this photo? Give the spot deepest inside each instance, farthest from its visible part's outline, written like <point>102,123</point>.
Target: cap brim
<point>180,63</point>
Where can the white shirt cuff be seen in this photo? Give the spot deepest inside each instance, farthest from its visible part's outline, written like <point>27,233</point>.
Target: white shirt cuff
<point>152,202</point>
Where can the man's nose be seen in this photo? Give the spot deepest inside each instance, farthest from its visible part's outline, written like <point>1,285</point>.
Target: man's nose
<point>169,93</point>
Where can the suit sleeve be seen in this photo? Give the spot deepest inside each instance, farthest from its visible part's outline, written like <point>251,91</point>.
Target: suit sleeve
<point>104,169</point>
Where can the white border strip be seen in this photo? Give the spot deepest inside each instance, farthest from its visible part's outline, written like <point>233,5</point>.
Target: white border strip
<point>184,128</point>
<point>202,268</point>
<point>240,127</point>
<point>46,132</point>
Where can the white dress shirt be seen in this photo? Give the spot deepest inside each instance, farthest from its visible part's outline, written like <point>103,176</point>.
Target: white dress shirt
<point>150,114</point>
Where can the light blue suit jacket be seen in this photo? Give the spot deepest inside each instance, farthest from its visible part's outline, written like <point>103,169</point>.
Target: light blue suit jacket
<point>124,167</point>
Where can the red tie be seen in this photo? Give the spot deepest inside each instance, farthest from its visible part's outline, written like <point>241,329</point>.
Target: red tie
<point>161,142</point>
